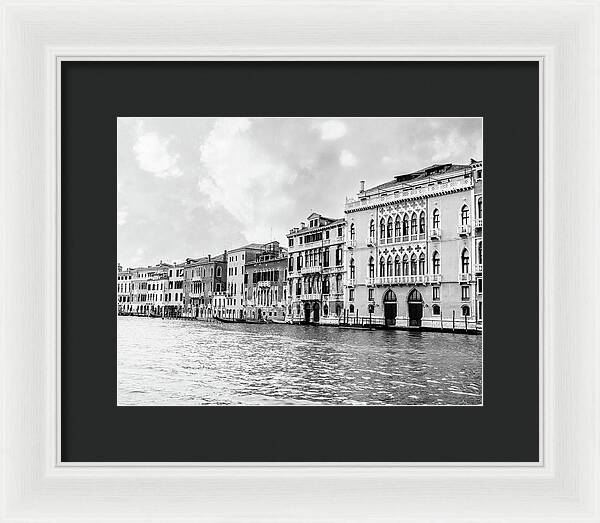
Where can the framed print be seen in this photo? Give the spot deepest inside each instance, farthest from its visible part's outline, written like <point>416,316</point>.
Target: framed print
<point>286,319</point>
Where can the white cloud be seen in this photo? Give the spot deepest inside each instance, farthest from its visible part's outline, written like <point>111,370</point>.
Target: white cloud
<point>332,129</point>
<point>152,154</point>
<point>242,177</point>
<point>347,159</point>
<point>450,147</point>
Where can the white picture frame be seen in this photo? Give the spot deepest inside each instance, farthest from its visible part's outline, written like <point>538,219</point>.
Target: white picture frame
<point>563,36</point>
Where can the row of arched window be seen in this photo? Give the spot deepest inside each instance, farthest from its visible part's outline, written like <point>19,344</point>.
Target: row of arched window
<point>411,224</point>
<point>405,265</point>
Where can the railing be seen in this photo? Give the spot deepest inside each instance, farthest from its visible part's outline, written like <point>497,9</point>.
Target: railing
<point>294,274</point>
<point>363,321</point>
<point>464,277</point>
<point>464,230</point>
<point>435,233</point>
<point>351,244</point>
<point>326,241</point>
<point>371,241</point>
<point>336,268</point>
<point>308,270</point>
<point>421,236</point>
<point>423,191</point>
<point>414,237</point>
<point>408,279</point>
<point>310,296</point>
<point>479,223</point>
<point>351,282</point>
<point>264,283</point>
<point>370,282</point>
<point>337,295</point>
<point>479,267</point>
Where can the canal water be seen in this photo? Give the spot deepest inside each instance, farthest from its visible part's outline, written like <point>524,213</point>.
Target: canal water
<point>178,362</point>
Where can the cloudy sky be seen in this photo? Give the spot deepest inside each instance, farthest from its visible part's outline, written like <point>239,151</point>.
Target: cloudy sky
<point>187,187</point>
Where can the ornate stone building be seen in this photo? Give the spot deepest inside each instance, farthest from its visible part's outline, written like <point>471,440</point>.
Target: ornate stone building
<point>236,266</point>
<point>265,284</point>
<point>415,249</point>
<point>316,270</point>
<point>204,277</point>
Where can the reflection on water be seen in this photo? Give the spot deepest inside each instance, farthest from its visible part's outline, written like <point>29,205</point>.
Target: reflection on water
<point>175,362</point>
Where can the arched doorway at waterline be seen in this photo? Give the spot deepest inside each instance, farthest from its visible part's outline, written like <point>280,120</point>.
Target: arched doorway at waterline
<point>390,307</point>
<point>307,312</point>
<point>315,312</point>
<point>415,308</point>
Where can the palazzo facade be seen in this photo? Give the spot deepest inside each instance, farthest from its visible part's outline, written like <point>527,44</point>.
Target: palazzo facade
<point>265,284</point>
<point>414,249</point>
<point>316,270</point>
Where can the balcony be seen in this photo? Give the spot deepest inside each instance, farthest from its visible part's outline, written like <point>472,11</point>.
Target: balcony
<point>351,244</point>
<point>326,241</point>
<point>464,230</point>
<point>337,295</point>
<point>478,268</point>
<point>464,277</point>
<point>370,241</point>
<point>435,233</point>
<point>370,282</point>
<point>310,296</point>
<point>479,223</point>
<point>294,274</point>
<point>435,278</point>
<point>264,283</point>
<point>309,270</point>
<point>351,282</point>
<point>336,268</point>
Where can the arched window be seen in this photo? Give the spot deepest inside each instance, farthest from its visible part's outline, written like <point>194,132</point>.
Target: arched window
<point>405,265</point>
<point>352,269</point>
<point>480,207</point>
<point>371,267</point>
<point>466,310</point>
<point>351,309</point>
<point>397,266</point>
<point>381,267</point>
<point>422,223</point>
<point>465,261</point>
<point>435,310</point>
<point>413,264</point>
<point>390,227</point>
<point>372,229</point>
<point>326,285</point>
<point>382,228</point>
<point>398,227</point>
<point>436,262</point>
<point>325,310</point>
<point>422,263</point>
<point>480,252</point>
<point>389,265</point>
<point>405,225</point>
<point>352,230</point>
<point>464,215</point>
<point>413,223</point>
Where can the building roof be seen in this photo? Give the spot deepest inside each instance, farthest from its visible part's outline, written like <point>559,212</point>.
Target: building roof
<point>249,247</point>
<point>420,175</point>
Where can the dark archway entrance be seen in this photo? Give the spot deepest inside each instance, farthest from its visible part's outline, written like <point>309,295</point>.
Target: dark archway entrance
<point>390,307</point>
<point>315,312</point>
<point>307,313</point>
<point>415,308</point>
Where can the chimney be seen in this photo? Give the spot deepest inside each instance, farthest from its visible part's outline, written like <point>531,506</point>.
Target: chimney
<point>209,257</point>
<point>362,186</point>
<point>302,225</point>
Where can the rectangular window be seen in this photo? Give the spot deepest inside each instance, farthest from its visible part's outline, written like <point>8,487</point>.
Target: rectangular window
<point>464,292</point>
<point>291,242</point>
<point>479,285</point>
<point>327,235</point>
<point>436,293</point>
<point>351,295</point>
<point>371,291</point>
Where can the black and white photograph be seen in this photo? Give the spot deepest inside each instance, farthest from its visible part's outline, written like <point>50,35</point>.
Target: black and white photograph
<point>320,261</point>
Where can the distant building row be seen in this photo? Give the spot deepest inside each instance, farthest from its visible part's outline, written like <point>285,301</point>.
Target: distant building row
<point>409,252</point>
